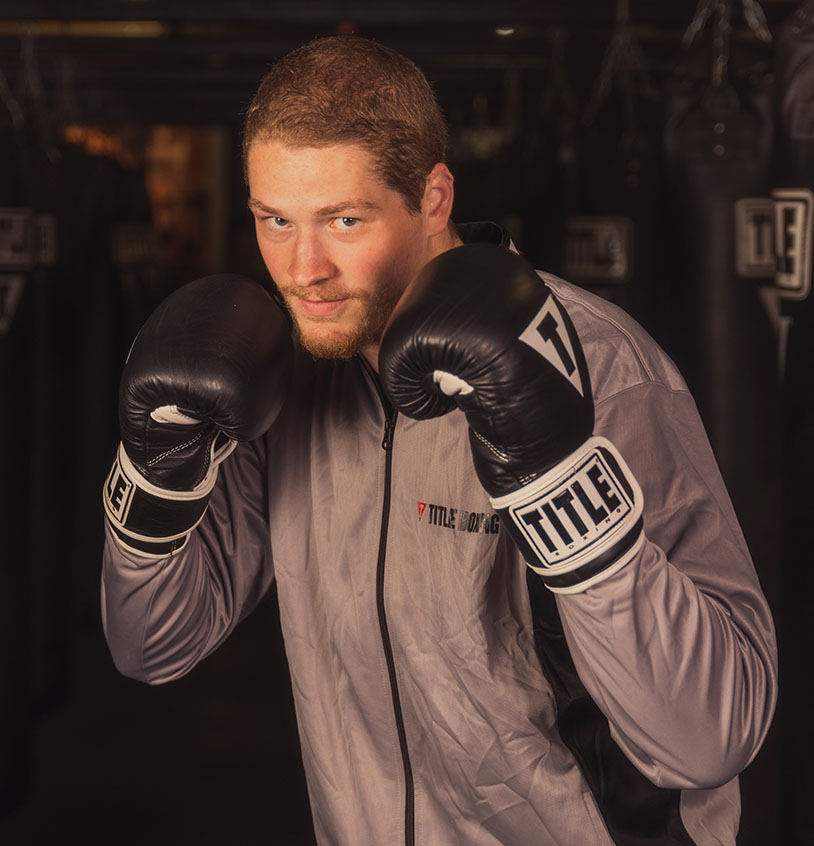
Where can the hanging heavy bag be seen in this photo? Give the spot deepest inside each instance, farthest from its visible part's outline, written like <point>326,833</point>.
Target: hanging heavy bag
<point>793,202</point>
<point>612,246</point>
<point>545,166</point>
<point>51,623</point>
<point>718,148</point>
<point>16,351</point>
<point>49,617</point>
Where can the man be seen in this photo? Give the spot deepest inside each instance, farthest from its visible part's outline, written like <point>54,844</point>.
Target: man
<point>608,693</point>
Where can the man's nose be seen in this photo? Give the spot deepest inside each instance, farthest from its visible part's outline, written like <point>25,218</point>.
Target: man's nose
<point>310,262</point>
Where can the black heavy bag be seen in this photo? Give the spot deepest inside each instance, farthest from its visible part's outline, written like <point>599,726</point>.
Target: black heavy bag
<point>793,201</point>
<point>37,164</point>
<point>718,148</point>
<point>111,299</point>
<point>51,454</point>
<point>544,167</point>
<point>17,317</point>
<point>612,246</point>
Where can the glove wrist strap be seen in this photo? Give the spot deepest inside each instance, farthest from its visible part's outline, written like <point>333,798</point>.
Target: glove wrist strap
<point>150,520</point>
<point>581,521</point>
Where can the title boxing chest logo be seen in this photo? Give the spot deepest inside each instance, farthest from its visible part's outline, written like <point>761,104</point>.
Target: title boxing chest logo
<point>458,519</point>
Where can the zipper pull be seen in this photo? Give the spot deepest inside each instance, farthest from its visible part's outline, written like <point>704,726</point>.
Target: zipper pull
<point>389,426</point>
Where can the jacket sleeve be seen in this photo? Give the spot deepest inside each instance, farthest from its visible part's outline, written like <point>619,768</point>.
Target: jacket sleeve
<point>678,647</point>
<point>162,616</point>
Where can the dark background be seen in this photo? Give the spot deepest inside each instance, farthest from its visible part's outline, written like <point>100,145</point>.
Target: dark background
<point>120,179</point>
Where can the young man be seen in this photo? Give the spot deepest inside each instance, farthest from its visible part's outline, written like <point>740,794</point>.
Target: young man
<point>609,692</point>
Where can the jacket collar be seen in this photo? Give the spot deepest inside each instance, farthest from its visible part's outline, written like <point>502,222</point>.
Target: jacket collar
<point>483,232</point>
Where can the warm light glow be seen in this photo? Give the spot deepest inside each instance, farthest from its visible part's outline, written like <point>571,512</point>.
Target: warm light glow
<point>86,29</point>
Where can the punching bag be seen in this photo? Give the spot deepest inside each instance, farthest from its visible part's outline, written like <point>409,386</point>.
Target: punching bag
<point>48,568</point>
<point>718,148</point>
<point>719,158</point>
<point>49,572</point>
<point>545,164</point>
<point>612,245</point>
<point>17,316</point>
<point>793,201</point>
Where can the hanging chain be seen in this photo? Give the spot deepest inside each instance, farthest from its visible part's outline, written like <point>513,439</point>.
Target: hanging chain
<point>752,12</point>
<point>721,40</point>
<point>623,60</point>
<point>756,19</point>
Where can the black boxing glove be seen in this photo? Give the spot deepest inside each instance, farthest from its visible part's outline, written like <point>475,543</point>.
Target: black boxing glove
<point>209,368</point>
<point>479,330</point>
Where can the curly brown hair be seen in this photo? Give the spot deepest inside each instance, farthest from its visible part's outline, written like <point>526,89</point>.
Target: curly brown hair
<point>351,90</point>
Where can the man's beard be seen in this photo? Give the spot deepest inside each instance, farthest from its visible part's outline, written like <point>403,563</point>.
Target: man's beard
<point>320,339</point>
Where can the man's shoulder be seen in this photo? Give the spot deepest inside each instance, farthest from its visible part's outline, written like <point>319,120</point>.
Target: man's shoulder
<point>620,352</point>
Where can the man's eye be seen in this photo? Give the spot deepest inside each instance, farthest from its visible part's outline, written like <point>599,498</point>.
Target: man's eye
<point>277,222</point>
<point>347,222</point>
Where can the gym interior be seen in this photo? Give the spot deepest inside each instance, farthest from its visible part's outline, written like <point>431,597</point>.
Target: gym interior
<point>660,155</point>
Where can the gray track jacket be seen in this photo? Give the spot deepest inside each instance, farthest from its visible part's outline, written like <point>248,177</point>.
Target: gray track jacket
<point>444,697</point>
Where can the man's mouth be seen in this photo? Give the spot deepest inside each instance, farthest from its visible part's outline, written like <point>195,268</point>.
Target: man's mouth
<point>321,308</point>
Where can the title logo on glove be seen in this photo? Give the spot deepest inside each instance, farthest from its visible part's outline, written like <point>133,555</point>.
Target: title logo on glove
<point>548,336</point>
<point>579,509</point>
<point>118,494</point>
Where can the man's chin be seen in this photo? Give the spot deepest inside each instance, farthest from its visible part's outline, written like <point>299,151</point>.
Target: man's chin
<point>347,336</point>
<point>331,344</point>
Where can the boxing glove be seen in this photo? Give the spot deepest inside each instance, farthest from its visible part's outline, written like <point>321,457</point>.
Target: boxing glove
<point>480,331</point>
<point>210,367</point>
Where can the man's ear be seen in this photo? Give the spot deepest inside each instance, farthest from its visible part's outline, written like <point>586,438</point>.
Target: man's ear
<point>438,197</point>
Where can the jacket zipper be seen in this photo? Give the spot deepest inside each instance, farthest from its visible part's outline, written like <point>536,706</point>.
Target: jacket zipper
<point>390,416</point>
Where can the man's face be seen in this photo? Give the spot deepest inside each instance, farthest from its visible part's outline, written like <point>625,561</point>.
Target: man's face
<point>340,245</point>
